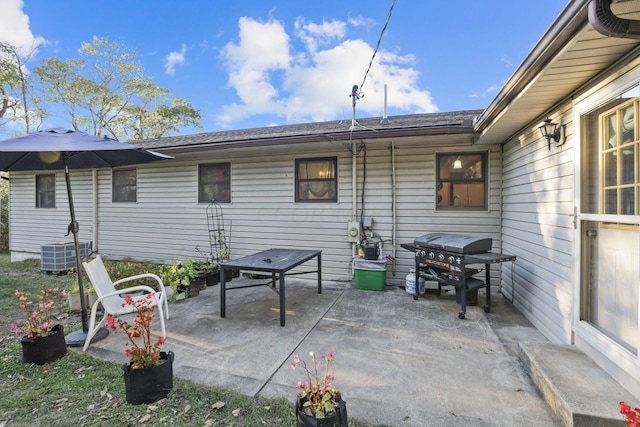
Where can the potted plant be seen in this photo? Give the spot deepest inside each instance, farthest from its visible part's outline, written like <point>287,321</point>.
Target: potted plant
<point>209,269</point>
<point>148,375</point>
<point>179,276</point>
<point>73,297</point>
<point>318,403</point>
<point>632,415</point>
<point>42,341</point>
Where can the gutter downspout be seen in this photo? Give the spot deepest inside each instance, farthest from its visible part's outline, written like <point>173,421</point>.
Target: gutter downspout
<point>604,21</point>
<point>94,178</point>
<point>354,203</point>
<point>393,205</point>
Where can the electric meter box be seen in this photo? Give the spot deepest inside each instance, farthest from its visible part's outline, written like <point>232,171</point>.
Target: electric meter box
<point>353,231</point>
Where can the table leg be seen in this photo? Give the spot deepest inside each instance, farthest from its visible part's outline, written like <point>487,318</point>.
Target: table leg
<point>487,307</point>
<point>282,307</point>
<point>223,283</point>
<point>463,298</point>
<point>320,273</point>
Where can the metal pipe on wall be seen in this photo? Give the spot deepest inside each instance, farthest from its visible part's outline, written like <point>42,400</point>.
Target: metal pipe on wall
<point>94,178</point>
<point>393,204</point>
<point>354,202</point>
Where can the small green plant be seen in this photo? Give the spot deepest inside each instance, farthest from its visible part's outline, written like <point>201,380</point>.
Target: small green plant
<point>182,273</point>
<point>316,393</point>
<point>87,286</point>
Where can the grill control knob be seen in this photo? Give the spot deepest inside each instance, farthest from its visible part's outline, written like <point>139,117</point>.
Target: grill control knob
<point>452,259</point>
<point>441,257</point>
<point>422,254</point>
<point>431,255</point>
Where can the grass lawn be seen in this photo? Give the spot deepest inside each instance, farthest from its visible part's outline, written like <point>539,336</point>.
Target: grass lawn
<point>79,390</point>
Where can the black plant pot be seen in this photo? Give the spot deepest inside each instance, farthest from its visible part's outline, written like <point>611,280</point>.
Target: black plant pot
<point>41,350</point>
<point>339,419</point>
<point>190,290</point>
<point>213,277</point>
<point>200,282</point>
<point>148,385</point>
<point>228,274</point>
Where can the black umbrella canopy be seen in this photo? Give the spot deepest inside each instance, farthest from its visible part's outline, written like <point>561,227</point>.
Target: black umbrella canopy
<point>48,150</point>
<point>62,149</point>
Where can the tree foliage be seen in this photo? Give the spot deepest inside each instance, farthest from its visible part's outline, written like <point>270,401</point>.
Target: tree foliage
<point>15,87</point>
<point>4,214</point>
<point>107,92</point>
<point>9,79</point>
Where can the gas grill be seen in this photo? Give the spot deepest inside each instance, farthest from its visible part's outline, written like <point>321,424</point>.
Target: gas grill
<point>447,258</point>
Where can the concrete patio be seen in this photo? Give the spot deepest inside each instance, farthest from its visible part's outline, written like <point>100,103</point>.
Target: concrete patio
<point>399,362</point>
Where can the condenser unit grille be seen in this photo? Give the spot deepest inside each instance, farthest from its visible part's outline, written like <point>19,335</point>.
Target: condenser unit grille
<point>60,257</point>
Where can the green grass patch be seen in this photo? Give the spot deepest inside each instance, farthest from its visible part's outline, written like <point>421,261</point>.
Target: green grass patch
<point>79,390</point>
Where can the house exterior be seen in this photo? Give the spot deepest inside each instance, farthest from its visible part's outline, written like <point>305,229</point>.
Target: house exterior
<point>568,207</point>
<point>570,212</point>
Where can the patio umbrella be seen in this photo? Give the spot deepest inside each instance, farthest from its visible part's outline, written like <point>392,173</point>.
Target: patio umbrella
<point>62,149</point>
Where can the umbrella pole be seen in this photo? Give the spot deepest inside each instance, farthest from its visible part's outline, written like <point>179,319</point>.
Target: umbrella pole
<point>78,338</point>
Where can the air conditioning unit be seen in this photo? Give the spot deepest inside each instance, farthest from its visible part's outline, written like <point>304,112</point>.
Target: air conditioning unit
<point>61,257</point>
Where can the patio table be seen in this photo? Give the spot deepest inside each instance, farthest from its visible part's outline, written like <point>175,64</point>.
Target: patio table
<point>275,261</point>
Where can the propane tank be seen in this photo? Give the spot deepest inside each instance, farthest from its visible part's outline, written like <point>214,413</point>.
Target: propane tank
<point>410,283</point>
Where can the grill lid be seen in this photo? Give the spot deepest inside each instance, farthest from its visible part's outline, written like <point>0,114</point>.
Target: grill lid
<point>454,243</point>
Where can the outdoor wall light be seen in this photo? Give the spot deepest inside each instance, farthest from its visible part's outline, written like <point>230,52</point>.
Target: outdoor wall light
<point>553,131</point>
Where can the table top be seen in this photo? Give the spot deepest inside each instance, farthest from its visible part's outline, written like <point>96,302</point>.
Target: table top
<point>272,260</point>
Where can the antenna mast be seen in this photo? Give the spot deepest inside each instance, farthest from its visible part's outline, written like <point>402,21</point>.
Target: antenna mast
<point>355,95</point>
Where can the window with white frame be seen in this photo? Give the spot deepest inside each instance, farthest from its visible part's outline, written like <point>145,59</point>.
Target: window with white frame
<point>461,181</point>
<point>619,156</point>
<point>46,191</point>
<point>214,183</point>
<point>316,180</point>
<point>125,185</point>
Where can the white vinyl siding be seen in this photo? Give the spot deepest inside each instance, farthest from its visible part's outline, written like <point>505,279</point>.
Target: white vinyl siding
<point>31,228</point>
<point>537,227</point>
<point>168,223</point>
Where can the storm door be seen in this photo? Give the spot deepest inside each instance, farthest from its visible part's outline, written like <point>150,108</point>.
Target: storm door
<point>608,221</point>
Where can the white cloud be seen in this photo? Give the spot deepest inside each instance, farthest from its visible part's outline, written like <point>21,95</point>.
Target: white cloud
<point>15,30</point>
<point>314,83</point>
<point>360,21</point>
<point>173,59</point>
<point>314,35</point>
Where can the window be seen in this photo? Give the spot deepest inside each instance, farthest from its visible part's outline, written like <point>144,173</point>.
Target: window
<point>124,185</point>
<point>46,191</point>
<point>619,155</point>
<point>461,181</point>
<point>214,183</point>
<point>316,180</point>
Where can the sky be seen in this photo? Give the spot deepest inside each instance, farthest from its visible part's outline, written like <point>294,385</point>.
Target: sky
<point>256,63</point>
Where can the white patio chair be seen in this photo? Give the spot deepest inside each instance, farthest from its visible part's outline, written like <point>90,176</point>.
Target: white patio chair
<point>112,300</point>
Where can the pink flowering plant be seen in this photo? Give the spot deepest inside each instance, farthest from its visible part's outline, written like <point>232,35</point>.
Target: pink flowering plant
<point>316,394</point>
<point>39,312</point>
<point>142,350</point>
<point>632,414</point>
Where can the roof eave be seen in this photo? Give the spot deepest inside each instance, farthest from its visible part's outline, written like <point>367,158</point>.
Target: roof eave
<point>359,135</point>
<point>568,23</point>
